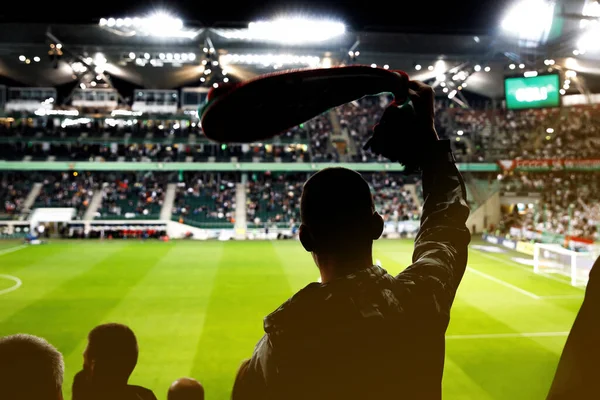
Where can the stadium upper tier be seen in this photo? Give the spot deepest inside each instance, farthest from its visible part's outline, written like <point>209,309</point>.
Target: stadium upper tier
<point>337,136</point>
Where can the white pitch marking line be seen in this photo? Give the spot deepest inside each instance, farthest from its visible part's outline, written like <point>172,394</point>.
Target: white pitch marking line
<point>515,264</point>
<point>12,249</point>
<point>507,335</point>
<point>564,296</point>
<point>14,287</point>
<point>501,282</point>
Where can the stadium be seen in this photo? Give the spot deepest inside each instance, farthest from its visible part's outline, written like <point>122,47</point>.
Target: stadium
<point>116,207</point>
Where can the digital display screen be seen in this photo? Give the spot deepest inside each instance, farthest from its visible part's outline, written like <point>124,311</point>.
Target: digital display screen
<point>534,92</point>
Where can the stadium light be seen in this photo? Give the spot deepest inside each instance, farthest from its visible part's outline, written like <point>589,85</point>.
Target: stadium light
<point>477,68</point>
<point>521,66</point>
<point>549,130</point>
<point>373,65</point>
<point>530,21</point>
<point>562,91</point>
<point>530,74</point>
<point>267,60</point>
<point>386,66</point>
<point>452,94</point>
<point>588,41</point>
<point>430,68</point>
<point>460,133</point>
<point>418,67</point>
<point>158,24</point>
<point>22,58</point>
<point>512,66</point>
<point>289,30</point>
<point>570,73</point>
<point>36,59</point>
<point>445,90</point>
<point>487,69</point>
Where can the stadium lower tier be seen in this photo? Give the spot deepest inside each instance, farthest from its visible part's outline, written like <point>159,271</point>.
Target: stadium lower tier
<point>559,202</point>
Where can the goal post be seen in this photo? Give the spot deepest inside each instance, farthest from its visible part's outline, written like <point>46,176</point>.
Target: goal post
<point>555,259</point>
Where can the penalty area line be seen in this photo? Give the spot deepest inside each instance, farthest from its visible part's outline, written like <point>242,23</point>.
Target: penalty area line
<point>505,284</point>
<point>507,335</point>
<point>12,249</point>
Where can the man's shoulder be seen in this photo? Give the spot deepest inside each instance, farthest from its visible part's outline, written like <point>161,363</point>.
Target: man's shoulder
<point>142,393</point>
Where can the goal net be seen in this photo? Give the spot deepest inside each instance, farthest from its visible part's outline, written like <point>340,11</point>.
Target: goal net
<point>555,259</point>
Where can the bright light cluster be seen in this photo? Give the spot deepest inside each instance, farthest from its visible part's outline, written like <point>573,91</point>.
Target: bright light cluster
<point>530,21</point>
<point>266,60</point>
<point>159,24</point>
<point>295,30</point>
<point>43,111</point>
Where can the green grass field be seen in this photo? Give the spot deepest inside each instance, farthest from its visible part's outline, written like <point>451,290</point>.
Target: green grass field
<point>197,309</point>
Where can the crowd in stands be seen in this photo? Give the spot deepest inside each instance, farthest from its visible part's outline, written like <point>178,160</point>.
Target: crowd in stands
<point>206,200</point>
<point>67,189</point>
<point>274,199</point>
<point>14,188</point>
<point>392,198</point>
<point>132,196</point>
<point>569,203</point>
<point>478,135</point>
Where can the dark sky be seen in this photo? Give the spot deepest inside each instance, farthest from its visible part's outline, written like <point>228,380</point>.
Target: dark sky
<point>460,16</point>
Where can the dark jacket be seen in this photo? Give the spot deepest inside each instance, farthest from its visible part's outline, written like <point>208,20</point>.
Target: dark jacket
<point>370,335</point>
<point>85,389</point>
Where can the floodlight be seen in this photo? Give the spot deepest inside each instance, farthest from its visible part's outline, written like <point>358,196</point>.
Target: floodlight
<point>293,30</point>
<point>530,21</point>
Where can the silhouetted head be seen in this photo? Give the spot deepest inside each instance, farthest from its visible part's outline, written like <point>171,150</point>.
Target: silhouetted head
<point>338,215</point>
<point>30,368</point>
<point>186,389</point>
<point>111,353</point>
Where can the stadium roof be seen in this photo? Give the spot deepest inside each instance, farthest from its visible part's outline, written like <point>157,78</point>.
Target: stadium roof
<point>397,49</point>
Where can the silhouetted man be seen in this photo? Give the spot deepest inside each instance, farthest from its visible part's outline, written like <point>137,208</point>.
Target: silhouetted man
<point>30,368</point>
<point>578,372</point>
<point>363,334</point>
<point>108,361</point>
<point>185,389</point>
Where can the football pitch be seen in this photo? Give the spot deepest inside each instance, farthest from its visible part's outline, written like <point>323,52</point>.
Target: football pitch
<point>197,308</point>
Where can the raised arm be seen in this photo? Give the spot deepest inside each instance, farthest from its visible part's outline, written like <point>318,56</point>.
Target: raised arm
<point>441,246</point>
<point>440,254</point>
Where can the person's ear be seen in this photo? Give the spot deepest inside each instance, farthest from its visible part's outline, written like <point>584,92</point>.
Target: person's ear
<point>306,238</point>
<point>376,226</point>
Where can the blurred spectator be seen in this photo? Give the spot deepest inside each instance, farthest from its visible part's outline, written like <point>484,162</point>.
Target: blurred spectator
<point>185,389</point>
<point>30,368</point>
<point>108,361</point>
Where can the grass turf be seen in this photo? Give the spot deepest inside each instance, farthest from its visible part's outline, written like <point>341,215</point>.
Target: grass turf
<point>197,309</point>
